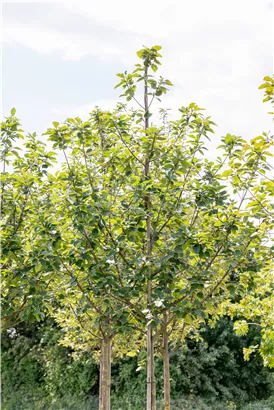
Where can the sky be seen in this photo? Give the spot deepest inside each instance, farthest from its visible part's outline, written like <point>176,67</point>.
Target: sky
<point>60,59</point>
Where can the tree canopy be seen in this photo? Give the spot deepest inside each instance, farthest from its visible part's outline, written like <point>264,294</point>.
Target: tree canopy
<point>138,233</point>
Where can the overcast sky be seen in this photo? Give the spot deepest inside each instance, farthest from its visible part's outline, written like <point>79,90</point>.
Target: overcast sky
<point>60,59</point>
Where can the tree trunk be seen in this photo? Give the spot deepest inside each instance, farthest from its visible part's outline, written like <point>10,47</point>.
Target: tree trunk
<point>100,378</point>
<point>151,382</point>
<point>166,371</point>
<point>105,375</point>
<point>154,404</point>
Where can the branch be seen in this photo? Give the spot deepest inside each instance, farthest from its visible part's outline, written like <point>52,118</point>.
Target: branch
<point>11,315</point>
<point>126,145</point>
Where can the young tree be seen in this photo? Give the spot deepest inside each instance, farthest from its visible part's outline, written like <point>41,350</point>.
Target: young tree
<point>23,170</point>
<point>254,305</point>
<point>143,221</point>
<point>139,231</point>
<point>199,235</point>
<point>76,212</point>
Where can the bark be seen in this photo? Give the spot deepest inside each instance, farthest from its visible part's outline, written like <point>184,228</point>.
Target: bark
<point>151,381</point>
<point>154,398</point>
<point>105,375</point>
<point>166,370</point>
<point>100,378</point>
<point>149,370</point>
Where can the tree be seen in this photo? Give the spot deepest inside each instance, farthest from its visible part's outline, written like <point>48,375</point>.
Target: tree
<point>139,231</point>
<point>73,221</point>
<point>200,237</point>
<point>22,290</point>
<point>139,211</point>
<point>254,306</point>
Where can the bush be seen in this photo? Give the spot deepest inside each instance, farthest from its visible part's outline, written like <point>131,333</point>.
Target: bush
<point>33,362</point>
<point>40,400</point>
<point>210,374</point>
<point>261,405</point>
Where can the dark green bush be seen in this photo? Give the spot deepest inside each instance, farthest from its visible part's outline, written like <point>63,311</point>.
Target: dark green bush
<point>38,373</point>
<point>39,400</point>
<point>261,405</point>
<point>34,361</point>
<point>215,368</point>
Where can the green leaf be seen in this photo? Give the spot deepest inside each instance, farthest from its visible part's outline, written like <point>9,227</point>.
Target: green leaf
<point>227,172</point>
<point>147,115</point>
<point>131,354</point>
<point>140,53</point>
<point>56,244</point>
<point>119,84</point>
<point>241,327</point>
<point>197,248</point>
<point>13,111</point>
<point>188,319</point>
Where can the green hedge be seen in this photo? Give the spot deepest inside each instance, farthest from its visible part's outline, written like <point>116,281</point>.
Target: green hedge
<point>38,400</point>
<point>211,374</point>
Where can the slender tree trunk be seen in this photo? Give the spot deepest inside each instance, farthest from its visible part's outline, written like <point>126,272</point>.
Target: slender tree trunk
<point>151,382</point>
<point>105,375</point>
<point>166,370</point>
<point>100,377</point>
<point>154,403</point>
<point>149,368</point>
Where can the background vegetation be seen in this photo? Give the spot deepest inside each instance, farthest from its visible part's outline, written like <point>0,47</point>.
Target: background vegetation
<point>210,373</point>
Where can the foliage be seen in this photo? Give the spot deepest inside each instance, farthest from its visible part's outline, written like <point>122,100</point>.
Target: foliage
<point>255,307</point>
<point>213,368</point>
<point>33,359</point>
<point>29,400</point>
<point>210,372</point>
<point>261,405</point>
<point>83,220</point>
<point>268,87</point>
<point>138,231</point>
<point>23,292</point>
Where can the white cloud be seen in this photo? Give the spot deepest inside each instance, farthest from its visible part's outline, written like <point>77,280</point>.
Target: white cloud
<point>216,52</point>
<point>71,46</point>
<point>183,26</point>
<point>163,19</point>
<point>82,111</point>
